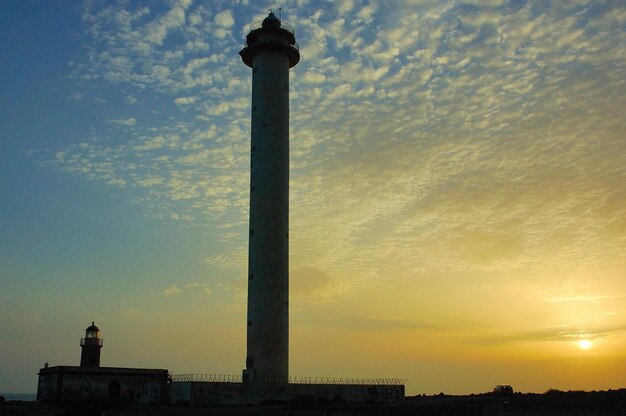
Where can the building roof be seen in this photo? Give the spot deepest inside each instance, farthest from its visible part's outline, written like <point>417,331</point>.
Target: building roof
<point>119,371</point>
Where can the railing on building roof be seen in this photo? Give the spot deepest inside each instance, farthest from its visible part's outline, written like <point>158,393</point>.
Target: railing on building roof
<point>230,378</point>
<point>294,45</point>
<point>283,25</point>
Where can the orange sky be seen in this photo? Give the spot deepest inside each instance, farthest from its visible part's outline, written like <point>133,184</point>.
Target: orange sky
<point>458,208</point>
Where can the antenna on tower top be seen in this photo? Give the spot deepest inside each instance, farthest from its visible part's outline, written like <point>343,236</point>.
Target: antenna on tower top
<point>279,10</point>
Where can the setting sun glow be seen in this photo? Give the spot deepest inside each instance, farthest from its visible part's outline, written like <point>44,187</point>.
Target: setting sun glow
<point>584,344</point>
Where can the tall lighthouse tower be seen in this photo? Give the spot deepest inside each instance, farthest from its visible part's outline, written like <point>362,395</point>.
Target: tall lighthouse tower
<point>270,51</point>
<point>90,347</point>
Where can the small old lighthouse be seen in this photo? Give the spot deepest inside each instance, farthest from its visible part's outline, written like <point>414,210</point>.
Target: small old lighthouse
<point>90,347</point>
<point>270,51</point>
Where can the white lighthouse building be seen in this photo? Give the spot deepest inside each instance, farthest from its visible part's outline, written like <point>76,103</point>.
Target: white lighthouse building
<point>270,51</point>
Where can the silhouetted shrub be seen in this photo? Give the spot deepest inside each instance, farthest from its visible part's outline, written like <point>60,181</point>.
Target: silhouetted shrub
<point>503,390</point>
<point>338,399</point>
<point>303,399</point>
<point>307,402</point>
<point>91,407</point>
<point>271,402</point>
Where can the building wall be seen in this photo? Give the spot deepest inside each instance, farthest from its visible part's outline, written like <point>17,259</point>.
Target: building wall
<point>350,392</point>
<point>47,388</point>
<point>207,393</point>
<point>198,393</point>
<point>143,386</point>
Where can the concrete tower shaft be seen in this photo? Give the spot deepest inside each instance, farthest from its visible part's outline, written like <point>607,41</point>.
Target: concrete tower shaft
<point>270,51</point>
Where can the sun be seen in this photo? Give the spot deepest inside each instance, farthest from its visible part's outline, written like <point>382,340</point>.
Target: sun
<point>584,344</point>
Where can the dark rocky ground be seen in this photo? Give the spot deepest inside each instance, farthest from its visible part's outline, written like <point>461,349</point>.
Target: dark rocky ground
<point>604,403</point>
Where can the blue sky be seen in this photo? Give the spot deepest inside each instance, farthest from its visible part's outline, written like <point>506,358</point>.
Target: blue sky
<point>458,208</point>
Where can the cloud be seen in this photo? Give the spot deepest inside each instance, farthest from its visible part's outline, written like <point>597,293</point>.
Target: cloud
<point>585,298</point>
<point>123,122</point>
<point>182,101</point>
<point>225,19</point>
<point>237,260</point>
<point>76,95</point>
<point>383,324</point>
<point>149,181</point>
<point>201,287</point>
<point>133,45</point>
<point>562,333</point>
<point>195,287</point>
<point>309,285</point>
<point>171,291</point>
<point>117,182</point>
<point>437,138</point>
<point>157,30</point>
<point>313,78</point>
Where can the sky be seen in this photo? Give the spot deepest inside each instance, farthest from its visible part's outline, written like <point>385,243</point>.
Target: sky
<point>457,189</point>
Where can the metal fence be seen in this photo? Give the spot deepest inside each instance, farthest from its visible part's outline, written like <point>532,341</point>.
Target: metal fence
<point>230,378</point>
<point>211,378</point>
<point>351,381</point>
